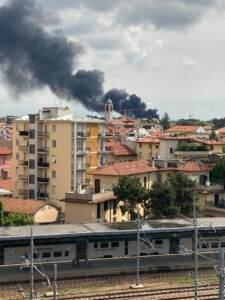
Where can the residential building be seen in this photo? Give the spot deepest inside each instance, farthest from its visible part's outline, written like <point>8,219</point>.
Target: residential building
<point>106,177</point>
<point>148,148</point>
<point>53,153</point>
<point>92,207</point>
<point>186,130</point>
<point>5,162</point>
<point>41,211</point>
<point>118,152</point>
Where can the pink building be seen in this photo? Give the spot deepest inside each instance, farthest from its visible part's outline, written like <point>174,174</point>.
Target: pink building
<point>5,162</point>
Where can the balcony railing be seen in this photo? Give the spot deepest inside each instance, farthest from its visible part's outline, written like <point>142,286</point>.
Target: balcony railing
<point>43,196</point>
<point>83,134</point>
<point>43,164</point>
<point>43,150</point>
<point>24,133</point>
<point>43,134</point>
<point>23,162</point>
<point>23,177</point>
<point>43,180</point>
<point>83,166</point>
<point>213,187</point>
<point>23,148</point>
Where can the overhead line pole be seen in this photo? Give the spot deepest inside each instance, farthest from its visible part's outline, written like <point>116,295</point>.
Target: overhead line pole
<point>195,223</point>
<point>221,275</point>
<point>31,265</point>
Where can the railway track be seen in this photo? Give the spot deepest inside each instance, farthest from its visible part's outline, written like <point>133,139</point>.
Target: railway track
<point>175,293</point>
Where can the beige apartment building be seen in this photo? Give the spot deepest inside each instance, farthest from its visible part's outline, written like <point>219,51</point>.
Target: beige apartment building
<point>53,153</point>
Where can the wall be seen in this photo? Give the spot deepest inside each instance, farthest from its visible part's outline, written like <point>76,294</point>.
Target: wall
<point>165,146</point>
<point>80,212</point>
<point>47,214</point>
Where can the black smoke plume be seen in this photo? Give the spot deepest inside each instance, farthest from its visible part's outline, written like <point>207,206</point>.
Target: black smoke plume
<point>32,56</point>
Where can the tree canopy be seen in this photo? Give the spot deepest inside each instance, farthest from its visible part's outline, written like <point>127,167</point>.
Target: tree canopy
<point>173,198</point>
<point>217,174</point>
<point>130,191</point>
<point>14,219</point>
<point>165,121</point>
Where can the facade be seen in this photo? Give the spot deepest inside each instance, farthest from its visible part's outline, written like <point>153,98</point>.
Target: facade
<point>96,207</point>
<point>53,153</point>
<point>5,162</point>
<point>148,148</point>
<point>118,152</point>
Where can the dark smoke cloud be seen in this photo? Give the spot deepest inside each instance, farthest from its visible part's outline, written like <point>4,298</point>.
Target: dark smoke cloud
<point>31,57</point>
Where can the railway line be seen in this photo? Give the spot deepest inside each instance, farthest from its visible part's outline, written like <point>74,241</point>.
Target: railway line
<point>175,293</point>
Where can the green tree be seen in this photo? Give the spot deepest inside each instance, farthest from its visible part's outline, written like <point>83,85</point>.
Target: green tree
<point>17,219</point>
<point>165,121</point>
<point>217,174</point>
<point>1,213</point>
<point>213,135</point>
<point>173,198</point>
<point>130,191</point>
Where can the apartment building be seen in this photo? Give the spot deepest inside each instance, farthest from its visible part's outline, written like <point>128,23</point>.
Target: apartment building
<point>53,153</point>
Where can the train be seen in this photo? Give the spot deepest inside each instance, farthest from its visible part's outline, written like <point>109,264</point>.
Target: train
<point>74,243</point>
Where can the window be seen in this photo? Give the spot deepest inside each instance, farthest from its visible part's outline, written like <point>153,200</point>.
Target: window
<point>158,242</point>
<point>53,143</point>
<point>97,185</point>
<point>104,245</point>
<point>57,254</point>
<point>214,245</point>
<point>32,164</point>
<point>223,244</point>
<point>205,245</point>
<point>31,194</point>
<point>140,145</point>
<point>53,174</point>
<point>35,255</point>
<point>114,207</point>
<point>149,146</point>
<point>32,134</point>
<point>32,179</point>
<point>114,244</point>
<point>54,128</point>
<point>145,182</point>
<point>32,149</point>
<point>67,253</point>
<point>171,150</point>
<point>156,146</point>
<point>32,119</point>
<point>98,210</point>
<point>105,206</point>
<point>17,155</point>
<point>95,245</point>
<point>46,254</point>
<point>53,189</point>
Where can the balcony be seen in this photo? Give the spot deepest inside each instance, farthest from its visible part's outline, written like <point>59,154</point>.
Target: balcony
<point>23,148</point>
<point>43,164</point>
<point>102,135</point>
<point>24,133</point>
<point>23,162</point>
<point>83,151</point>
<point>23,192</point>
<point>43,134</point>
<point>210,188</point>
<point>83,134</point>
<point>43,150</point>
<point>42,195</point>
<point>83,166</point>
<point>23,177</point>
<point>43,180</point>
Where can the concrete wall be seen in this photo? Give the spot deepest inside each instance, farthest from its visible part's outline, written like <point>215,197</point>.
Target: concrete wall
<point>165,146</point>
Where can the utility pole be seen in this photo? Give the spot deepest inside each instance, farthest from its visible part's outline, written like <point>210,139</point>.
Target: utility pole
<point>195,223</point>
<point>55,282</point>
<point>138,285</point>
<point>31,264</point>
<point>221,275</point>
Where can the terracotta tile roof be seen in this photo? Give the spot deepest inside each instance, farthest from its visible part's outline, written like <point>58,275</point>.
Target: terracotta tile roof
<point>182,128</point>
<point>6,184</point>
<point>180,138</point>
<point>5,151</point>
<point>148,139</point>
<point>119,130</point>
<point>193,166</point>
<point>125,168</point>
<point>124,121</point>
<point>118,149</point>
<point>157,134</point>
<point>209,142</point>
<point>221,130</point>
<point>28,207</point>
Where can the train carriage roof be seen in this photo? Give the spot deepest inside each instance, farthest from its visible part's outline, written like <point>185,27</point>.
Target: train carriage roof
<point>101,229</point>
